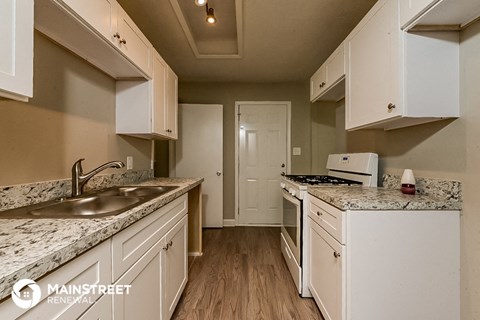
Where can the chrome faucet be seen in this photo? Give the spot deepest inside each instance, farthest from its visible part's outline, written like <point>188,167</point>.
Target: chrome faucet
<point>79,179</point>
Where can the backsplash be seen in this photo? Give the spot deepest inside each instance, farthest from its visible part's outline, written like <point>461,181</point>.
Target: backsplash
<point>26,194</point>
<point>440,189</point>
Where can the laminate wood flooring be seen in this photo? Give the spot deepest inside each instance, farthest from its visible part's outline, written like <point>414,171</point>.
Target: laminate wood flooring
<point>242,275</point>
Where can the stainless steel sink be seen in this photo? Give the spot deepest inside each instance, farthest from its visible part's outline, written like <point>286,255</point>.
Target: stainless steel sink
<point>136,191</point>
<point>103,203</point>
<point>93,206</point>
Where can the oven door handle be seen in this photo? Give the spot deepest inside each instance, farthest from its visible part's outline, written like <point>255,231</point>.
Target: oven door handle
<point>290,198</point>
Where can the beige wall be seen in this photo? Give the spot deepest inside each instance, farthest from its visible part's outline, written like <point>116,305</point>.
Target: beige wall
<point>448,149</point>
<point>323,134</point>
<point>71,116</point>
<point>227,94</point>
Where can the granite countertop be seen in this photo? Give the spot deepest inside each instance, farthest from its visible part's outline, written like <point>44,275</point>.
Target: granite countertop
<point>369,198</point>
<point>30,248</point>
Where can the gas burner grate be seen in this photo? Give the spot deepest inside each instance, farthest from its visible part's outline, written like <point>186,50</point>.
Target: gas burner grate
<point>321,179</point>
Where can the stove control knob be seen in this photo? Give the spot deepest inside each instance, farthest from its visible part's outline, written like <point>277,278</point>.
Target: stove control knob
<point>292,192</point>
<point>282,185</point>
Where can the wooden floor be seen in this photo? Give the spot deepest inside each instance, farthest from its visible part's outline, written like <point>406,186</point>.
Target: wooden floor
<point>242,275</point>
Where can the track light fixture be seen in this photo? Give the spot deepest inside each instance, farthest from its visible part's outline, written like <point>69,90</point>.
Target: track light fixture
<point>210,12</point>
<point>210,15</point>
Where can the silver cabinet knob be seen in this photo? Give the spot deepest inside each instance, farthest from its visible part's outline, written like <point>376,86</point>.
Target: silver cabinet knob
<point>219,173</point>
<point>116,35</point>
<point>322,84</point>
<point>319,213</point>
<point>123,41</point>
<point>336,254</point>
<point>390,106</point>
<point>170,243</point>
<point>283,165</point>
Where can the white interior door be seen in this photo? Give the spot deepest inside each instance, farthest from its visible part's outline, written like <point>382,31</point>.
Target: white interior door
<point>262,153</point>
<point>199,153</point>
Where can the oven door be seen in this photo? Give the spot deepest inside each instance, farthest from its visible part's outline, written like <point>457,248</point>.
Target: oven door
<point>291,223</point>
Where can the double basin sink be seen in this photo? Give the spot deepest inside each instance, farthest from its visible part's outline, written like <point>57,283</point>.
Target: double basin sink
<point>108,202</point>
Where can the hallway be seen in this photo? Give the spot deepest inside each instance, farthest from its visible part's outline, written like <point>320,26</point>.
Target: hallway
<point>242,275</point>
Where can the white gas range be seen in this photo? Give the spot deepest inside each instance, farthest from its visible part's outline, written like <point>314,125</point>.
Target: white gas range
<point>344,169</point>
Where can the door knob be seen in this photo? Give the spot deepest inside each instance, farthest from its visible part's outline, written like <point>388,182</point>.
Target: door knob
<point>219,173</point>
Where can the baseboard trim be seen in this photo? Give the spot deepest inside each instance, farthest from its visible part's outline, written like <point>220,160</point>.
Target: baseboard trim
<point>229,222</point>
<point>195,254</point>
<point>258,225</point>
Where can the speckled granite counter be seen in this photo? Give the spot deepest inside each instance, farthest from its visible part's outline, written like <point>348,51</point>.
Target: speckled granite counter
<point>368,198</point>
<point>30,248</point>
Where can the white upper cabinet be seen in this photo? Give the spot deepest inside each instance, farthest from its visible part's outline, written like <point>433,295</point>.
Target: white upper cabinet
<point>16,50</point>
<point>172,104</point>
<point>397,79</point>
<point>438,13</point>
<point>100,14</point>
<point>98,31</point>
<point>132,42</point>
<point>148,109</point>
<point>327,83</point>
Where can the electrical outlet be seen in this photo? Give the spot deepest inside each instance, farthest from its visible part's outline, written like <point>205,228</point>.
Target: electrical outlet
<point>297,151</point>
<point>129,163</point>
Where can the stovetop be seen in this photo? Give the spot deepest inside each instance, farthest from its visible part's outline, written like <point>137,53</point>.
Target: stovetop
<point>320,179</point>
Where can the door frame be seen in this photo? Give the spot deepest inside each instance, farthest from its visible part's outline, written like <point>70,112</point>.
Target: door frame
<point>237,162</point>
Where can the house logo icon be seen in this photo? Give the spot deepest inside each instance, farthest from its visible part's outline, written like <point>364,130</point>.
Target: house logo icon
<point>26,293</point>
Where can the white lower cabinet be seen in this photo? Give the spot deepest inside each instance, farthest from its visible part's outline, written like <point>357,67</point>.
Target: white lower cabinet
<point>147,261</point>
<point>175,269</point>
<point>327,281</point>
<point>393,265</point>
<point>144,298</point>
<point>157,279</point>
<point>91,268</point>
<point>101,310</point>
<point>151,257</point>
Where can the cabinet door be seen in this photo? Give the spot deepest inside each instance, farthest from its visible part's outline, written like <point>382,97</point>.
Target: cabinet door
<point>318,82</point>
<point>16,50</point>
<point>172,104</point>
<point>144,300</point>
<point>159,112</point>
<point>100,14</point>
<point>336,66</point>
<point>326,273</point>
<point>410,9</point>
<point>176,266</point>
<point>101,310</point>
<point>373,67</point>
<point>133,43</point>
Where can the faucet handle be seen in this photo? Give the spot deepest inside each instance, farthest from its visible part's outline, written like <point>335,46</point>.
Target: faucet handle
<point>77,166</point>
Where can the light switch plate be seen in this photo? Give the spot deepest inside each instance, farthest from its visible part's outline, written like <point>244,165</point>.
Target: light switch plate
<point>297,151</point>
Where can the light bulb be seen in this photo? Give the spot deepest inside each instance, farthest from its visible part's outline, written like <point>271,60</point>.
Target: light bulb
<point>200,3</point>
<point>210,16</point>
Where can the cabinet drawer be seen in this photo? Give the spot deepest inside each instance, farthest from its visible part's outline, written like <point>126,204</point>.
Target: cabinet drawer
<point>132,243</point>
<point>292,264</point>
<point>328,217</point>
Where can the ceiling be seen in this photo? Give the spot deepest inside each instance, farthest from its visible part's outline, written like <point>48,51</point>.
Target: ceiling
<point>278,40</point>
